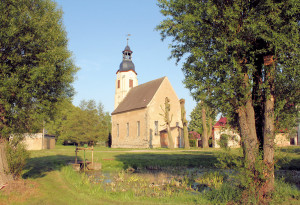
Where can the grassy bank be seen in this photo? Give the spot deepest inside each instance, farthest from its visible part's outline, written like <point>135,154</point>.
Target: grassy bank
<point>49,180</point>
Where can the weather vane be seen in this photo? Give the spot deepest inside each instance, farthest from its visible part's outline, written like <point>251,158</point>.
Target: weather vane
<point>128,38</point>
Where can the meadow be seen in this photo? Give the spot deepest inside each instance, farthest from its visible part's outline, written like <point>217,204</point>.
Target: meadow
<point>150,176</point>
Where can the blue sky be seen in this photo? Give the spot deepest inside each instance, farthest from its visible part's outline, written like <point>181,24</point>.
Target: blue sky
<point>97,32</point>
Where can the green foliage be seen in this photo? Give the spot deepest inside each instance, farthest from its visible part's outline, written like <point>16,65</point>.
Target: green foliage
<point>284,192</point>
<point>246,181</point>
<point>240,57</point>
<point>195,123</point>
<point>227,159</point>
<point>224,195</point>
<point>211,179</point>
<point>36,69</point>
<point>56,126</point>
<point>213,37</point>
<point>17,156</point>
<point>87,123</point>
<point>193,143</point>
<point>224,138</point>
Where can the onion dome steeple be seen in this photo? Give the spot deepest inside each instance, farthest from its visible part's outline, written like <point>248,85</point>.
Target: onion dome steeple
<point>126,76</point>
<point>127,63</point>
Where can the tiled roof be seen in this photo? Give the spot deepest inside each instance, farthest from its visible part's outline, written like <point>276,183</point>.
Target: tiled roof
<point>139,97</point>
<point>221,123</point>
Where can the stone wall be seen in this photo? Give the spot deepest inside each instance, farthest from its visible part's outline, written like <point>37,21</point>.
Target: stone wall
<point>234,141</point>
<point>34,141</point>
<point>132,140</point>
<point>155,112</point>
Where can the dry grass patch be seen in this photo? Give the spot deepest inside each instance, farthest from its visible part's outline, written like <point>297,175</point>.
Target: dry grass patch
<point>18,191</point>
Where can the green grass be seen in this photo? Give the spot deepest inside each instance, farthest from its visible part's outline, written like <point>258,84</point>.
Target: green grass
<point>57,183</point>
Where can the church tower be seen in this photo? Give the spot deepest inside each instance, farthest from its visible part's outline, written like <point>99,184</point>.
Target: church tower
<point>126,76</point>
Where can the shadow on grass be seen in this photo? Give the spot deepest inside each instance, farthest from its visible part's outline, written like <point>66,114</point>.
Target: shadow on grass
<point>292,164</point>
<point>38,166</point>
<point>292,149</point>
<point>160,161</point>
<point>289,159</point>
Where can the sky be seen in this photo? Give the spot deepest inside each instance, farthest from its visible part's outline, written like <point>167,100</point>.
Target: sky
<point>97,31</point>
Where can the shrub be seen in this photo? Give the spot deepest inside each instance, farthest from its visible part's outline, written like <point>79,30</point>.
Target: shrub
<point>224,140</point>
<point>193,143</point>
<point>17,156</point>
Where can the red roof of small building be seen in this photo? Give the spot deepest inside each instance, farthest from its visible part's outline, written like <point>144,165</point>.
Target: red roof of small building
<point>221,123</point>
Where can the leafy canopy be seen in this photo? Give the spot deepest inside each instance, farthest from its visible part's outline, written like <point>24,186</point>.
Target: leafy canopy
<point>215,38</point>
<point>36,69</point>
<point>87,123</point>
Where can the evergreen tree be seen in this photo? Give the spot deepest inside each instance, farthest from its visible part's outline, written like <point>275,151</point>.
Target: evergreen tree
<point>36,69</point>
<point>243,56</point>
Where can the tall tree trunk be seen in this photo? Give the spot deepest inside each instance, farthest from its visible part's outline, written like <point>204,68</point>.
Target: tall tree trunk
<point>248,134</point>
<point>168,122</point>
<point>5,177</point>
<point>204,133</point>
<point>4,174</point>
<point>269,126</point>
<point>258,100</point>
<point>246,118</point>
<point>171,143</point>
<point>184,124</point>
<point>210,127</point>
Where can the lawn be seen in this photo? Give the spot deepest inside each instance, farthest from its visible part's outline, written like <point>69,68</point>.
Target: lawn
<point>47,178</point>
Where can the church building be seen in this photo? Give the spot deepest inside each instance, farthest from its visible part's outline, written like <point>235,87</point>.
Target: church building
<point>137,121</point>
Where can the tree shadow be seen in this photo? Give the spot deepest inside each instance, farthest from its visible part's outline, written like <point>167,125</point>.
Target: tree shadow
<point>38,167</point>
<point>290,159</point>
<point>291,150</point>
<point>161,161</point>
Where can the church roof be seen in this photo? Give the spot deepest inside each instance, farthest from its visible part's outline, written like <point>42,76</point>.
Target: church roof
<point>139,97</point>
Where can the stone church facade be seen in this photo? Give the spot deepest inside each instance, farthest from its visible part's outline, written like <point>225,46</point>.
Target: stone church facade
<point>137,120</point>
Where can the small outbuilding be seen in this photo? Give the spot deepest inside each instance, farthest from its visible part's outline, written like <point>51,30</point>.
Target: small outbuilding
<point>38,141</point>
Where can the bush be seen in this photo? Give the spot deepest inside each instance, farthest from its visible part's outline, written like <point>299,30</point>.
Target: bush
<point>17,156</point>
<point>224,140</point>
<point>193,143</point>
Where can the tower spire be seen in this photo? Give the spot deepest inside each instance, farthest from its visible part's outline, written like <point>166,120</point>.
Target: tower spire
<point>128,38</point>
<point>126,76</point>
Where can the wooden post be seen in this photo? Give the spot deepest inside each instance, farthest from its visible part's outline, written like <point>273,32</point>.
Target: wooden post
<point>76,155</point>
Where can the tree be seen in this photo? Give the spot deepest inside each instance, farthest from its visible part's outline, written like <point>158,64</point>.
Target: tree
<point>244,57</point>
<point>184,124</point>
<point>166,116</point>
<point>57,125</point>
<point>87,123</point>
<point>202,118</point>
<point>36,69</point>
